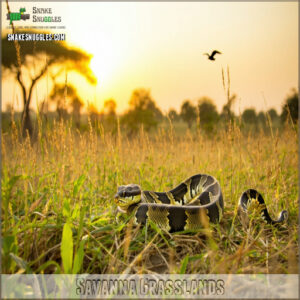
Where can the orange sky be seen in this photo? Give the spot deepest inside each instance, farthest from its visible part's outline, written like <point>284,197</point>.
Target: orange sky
<point>160,46</point>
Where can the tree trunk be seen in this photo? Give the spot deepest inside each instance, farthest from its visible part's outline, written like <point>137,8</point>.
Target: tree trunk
<point>26,122</point>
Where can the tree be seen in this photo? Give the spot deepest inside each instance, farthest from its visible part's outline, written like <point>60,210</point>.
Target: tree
<point>249,116</point>
<point>109,107</point>
<point>142,111</point>
<point>208,114</point>
<point>227,113</point>
<point>19,57</point>
<point>93,112</point>
<point>65,96</point>
<point>141,100</point>
<point>273,114</point>
<point>76,107</point>
<point>188,113</point>
<point>173,115</point>
<point>261,118</point>
<point>109,114</point>
<point>290,107</point>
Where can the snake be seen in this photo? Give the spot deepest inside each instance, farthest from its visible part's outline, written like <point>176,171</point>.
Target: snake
<point>192,205</point>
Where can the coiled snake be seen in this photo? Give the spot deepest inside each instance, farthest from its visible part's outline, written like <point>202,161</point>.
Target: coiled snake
<point>188,206</point>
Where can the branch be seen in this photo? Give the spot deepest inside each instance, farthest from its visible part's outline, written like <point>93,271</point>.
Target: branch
<point>53,76</point>
<point>22,86</point>
<point>34,80</point>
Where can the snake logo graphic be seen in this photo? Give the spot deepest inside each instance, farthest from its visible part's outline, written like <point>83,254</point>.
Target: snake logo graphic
<point>16,16</point>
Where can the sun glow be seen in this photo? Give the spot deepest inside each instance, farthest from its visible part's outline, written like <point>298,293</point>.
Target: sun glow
<point>103,64</point>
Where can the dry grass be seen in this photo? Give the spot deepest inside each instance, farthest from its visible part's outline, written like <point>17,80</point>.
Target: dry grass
<point>68,176</point>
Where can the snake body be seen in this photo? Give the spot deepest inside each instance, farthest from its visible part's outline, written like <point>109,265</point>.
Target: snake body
<point>190,206</point>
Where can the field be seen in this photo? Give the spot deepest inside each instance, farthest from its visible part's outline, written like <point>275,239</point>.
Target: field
<point>58,210</point>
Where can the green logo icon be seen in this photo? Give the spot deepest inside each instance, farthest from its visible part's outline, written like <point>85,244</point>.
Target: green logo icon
<point>16,16</point>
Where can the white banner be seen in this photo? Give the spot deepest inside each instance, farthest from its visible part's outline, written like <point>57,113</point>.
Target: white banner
<point>194,286</point>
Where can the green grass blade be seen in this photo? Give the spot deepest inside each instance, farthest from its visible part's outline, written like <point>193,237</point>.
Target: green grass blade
<point>78,258</point>
<point>66,248</point>
<point>184,264</point>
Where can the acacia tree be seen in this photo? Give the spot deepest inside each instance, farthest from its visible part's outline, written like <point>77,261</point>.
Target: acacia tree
<point>29,61</point>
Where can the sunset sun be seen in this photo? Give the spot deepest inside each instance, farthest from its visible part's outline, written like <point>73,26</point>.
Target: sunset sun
<point>105,60</point>
<point>102,67</point>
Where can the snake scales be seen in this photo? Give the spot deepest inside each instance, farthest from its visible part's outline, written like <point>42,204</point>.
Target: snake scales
<point>189,206</point>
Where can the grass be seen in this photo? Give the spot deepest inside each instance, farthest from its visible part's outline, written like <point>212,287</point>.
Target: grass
<point>58,213</point>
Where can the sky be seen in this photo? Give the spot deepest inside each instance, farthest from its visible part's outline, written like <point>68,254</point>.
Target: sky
<point>159,46</point>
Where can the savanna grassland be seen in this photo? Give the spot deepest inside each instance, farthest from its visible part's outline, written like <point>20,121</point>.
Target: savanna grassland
<point>58,210</point>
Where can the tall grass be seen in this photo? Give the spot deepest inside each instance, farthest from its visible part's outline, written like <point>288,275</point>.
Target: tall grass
<point>58,213</point>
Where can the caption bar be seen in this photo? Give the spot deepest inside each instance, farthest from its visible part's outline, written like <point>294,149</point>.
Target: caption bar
<point>194,286</point>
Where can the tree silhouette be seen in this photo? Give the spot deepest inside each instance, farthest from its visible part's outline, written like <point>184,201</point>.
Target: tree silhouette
<point>290,107</point>
<point>227,113</point>
<point>109,114</point>
<point>142,100</point>
<point>77,104</point>
<point>93,113</point>
<point>25,58</point>
<point>109,107</point>
<point>261,118</point>
<point>249,116</point>
<point>173,115</point>
<point>273,115</point>
<point>188,113</point>
<point>65,96</point>
<point>208,114</point>
<point>142,111</point>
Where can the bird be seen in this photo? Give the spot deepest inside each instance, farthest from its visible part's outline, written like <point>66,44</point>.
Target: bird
<point>211,56</point>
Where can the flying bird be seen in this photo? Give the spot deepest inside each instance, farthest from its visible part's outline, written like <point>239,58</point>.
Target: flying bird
<point>211,56</point>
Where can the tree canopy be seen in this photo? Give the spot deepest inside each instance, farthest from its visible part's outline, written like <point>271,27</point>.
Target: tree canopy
<point>208,114</point>
<point>65,96</point>
<point>173,115</point>
<point>249,116</point>
<point>142,111</point>
<point>188,112</point>
<point>290,107</point>
<point>141,100</point>
<point>109,107</point>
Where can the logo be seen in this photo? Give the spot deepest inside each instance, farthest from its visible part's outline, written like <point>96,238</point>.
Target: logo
<point>16,16</point>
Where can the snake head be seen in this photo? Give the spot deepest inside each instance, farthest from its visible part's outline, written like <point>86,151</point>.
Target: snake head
<point>128,195</point>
